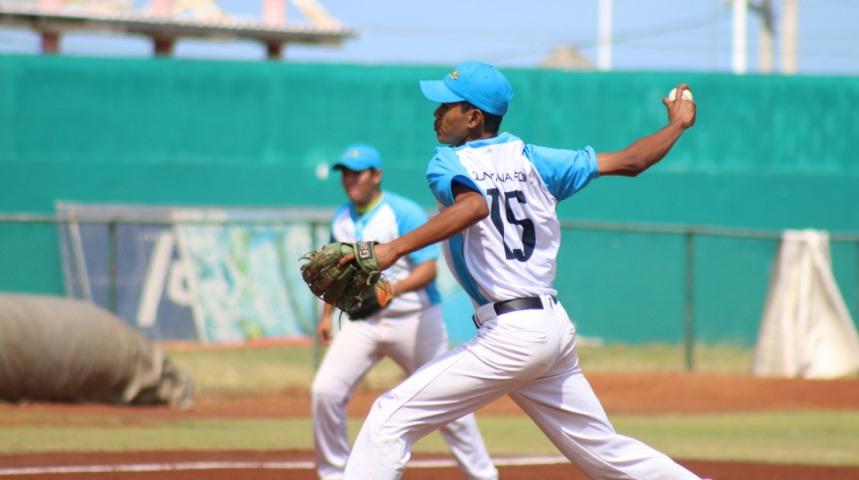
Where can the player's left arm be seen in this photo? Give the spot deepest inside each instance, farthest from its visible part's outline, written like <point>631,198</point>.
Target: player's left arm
<point>645,152</point>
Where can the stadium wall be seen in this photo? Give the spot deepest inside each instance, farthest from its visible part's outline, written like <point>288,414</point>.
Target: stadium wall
<point>768,152</point>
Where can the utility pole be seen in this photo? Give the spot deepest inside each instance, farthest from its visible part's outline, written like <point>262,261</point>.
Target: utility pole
<point>604,21</point>
<point>764,10</point>
<point>789,28</point>
<point>739,60</point>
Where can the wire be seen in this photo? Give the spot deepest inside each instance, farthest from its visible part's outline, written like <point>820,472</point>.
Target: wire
<point>626,37</point>
<point>540,46</point>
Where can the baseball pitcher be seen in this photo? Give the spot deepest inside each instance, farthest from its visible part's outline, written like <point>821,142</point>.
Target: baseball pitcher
<point>498,197</point>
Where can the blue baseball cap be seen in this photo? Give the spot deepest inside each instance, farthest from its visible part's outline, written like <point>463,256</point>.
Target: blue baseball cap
<point>477,83</point>
<point>359,157</point>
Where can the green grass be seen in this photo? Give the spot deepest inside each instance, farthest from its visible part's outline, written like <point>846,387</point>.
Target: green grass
<point>265,370</point>
<point>278,368</point>
<point>665,358</point>
<point>243,370</point>
<point>819,437</point>
<point>825,438</point>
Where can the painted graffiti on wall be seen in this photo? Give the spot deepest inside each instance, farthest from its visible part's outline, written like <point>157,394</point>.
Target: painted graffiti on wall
<point>212,275</point>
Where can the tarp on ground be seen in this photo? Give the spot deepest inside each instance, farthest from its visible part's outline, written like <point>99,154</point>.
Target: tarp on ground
<point>58,349</point>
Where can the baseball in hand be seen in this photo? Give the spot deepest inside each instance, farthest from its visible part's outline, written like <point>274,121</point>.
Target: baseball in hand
<point>687,94</point>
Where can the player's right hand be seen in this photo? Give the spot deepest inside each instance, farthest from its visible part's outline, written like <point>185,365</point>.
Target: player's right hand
<point>323,330</point>
<point>385,257</point>
<point>680,110</point>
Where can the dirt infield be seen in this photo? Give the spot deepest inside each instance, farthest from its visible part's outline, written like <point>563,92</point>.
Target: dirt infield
<point>619,393</point>
<point>191,465</point>
<point>632,393</point>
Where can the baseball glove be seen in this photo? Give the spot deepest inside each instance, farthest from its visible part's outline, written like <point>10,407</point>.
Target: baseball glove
<point>347,287</point>
<point>374,301</point>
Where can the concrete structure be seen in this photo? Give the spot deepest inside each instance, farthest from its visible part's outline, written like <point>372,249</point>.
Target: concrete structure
<point>164,23</point>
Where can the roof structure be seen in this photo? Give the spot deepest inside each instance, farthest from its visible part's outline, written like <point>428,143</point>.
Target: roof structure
<point>164,29</point>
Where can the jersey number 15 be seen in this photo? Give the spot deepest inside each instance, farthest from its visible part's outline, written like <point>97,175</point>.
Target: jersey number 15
<point>528,235</point>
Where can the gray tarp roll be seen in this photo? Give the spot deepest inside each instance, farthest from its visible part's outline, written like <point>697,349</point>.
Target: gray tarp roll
<point>58,349</point>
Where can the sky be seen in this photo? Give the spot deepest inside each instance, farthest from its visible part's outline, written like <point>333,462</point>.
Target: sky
<point>684,35</point>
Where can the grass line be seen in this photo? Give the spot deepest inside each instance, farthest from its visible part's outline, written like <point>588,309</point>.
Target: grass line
<point>824,437</point>
<point>275,368</point>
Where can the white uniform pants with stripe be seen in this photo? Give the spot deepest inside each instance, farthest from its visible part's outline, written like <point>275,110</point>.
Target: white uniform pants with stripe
<point>409,340</point>
<point>529,355</point>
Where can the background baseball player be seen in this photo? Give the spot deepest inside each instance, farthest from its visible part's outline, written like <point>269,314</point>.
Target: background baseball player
<point>409,329</point>
<point>498,197</point>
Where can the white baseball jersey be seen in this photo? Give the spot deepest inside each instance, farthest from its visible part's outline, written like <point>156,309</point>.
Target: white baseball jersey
<point>390,218</point>
<point>528,354</point>
<point>510,254</point>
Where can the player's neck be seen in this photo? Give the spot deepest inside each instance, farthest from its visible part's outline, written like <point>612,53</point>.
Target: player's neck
<point>479,134</point>
<point>362,209</point>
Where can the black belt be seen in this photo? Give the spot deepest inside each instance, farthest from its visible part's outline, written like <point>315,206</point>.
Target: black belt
<point>515,305</point>
<point>509,306</point>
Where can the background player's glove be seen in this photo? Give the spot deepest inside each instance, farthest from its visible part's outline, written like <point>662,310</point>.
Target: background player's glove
<point>344,287</point>
<point>375,300</point>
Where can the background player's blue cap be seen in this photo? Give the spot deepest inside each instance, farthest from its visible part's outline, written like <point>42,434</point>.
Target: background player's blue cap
<point>359,157</point>
<point>477,83</point>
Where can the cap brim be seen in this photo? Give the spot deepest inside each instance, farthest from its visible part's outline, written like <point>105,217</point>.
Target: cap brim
<point>436,91</point>
<point>355,166</point>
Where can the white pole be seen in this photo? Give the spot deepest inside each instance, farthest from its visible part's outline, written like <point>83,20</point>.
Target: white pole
<point>741,8</point>
<point>789,28</point>
<point>604,21</point>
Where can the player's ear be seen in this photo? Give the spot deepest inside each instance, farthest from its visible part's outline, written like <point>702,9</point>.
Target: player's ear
<point>475,118</point>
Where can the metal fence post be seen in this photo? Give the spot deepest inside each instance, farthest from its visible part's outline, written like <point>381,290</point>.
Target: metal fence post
<point>112,292</point>
<point>689,321</point>
<point>317,347</point>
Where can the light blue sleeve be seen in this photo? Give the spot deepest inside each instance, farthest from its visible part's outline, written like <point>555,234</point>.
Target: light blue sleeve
<point>565,172</point>
<point>409,217</point>
<point>445,169</point>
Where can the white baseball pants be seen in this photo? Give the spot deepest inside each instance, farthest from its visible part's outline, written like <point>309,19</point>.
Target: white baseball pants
<point>529,355</point>
<point>410,341</point>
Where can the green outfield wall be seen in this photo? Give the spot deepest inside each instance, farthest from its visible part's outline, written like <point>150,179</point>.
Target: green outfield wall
<point>768,152</point>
